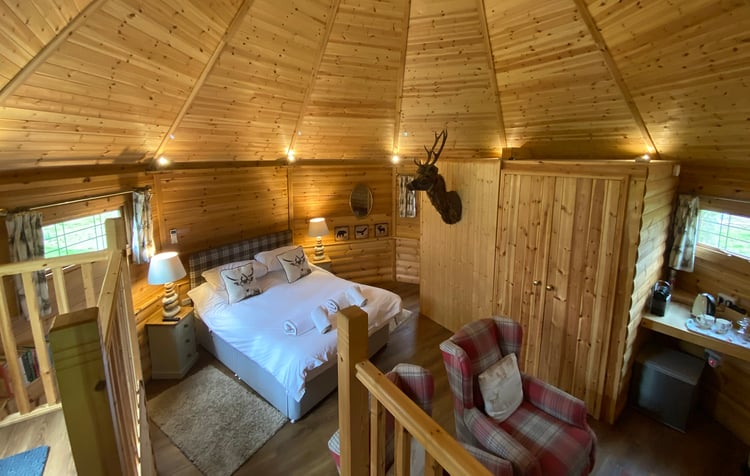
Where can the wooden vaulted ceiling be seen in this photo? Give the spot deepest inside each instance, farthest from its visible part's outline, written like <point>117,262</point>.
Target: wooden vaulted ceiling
<point>86,82</point>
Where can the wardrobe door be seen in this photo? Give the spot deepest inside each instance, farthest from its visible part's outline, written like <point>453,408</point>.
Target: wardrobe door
<point>579,285</point>
<point>523,222</point>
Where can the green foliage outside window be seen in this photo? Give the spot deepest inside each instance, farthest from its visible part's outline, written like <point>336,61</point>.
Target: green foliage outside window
<point>80,235</point>
<point>726,232</point>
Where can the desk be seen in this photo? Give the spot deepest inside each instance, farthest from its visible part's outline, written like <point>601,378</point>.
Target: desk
<point>673,324</point>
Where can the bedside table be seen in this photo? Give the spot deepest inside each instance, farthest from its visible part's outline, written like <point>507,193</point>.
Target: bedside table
<point>324,263</point>
<point>172,344</point>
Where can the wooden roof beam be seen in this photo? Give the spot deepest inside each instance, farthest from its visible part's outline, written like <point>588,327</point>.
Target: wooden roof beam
<point>616,75</point>
<point>493,75</point>
<point>234,26</point>
<point>314,73</point>
<point>48,49</point>
<point>400,81</point>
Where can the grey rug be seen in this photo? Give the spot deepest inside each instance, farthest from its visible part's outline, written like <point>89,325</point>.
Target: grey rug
<point>216,422</point>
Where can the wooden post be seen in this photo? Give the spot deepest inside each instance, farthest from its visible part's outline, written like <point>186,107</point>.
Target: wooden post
<point>353,396</point>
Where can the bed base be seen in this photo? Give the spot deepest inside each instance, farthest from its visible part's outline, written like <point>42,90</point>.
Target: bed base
<point>316,389</point>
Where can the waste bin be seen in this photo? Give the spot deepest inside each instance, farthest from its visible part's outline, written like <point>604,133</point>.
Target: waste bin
<point>665,385</point>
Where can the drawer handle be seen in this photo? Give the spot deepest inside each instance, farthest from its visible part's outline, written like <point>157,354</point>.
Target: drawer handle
<point>549,287</point>
<point>536,282</point>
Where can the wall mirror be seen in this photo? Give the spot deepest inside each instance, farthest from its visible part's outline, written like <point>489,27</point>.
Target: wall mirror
<point>360,200</point>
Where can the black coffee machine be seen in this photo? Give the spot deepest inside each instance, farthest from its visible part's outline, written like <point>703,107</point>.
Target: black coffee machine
<point>660,296</point>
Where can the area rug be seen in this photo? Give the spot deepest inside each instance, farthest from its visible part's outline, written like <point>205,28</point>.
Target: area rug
<point>216,422</point>
<point>28,463</point>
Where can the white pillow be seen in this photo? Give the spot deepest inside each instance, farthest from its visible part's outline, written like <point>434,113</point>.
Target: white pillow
<point>501,388</point>
<point>270,258</point>
<point>240,283</point>
<point>213,275</point>
<point>295,264</point>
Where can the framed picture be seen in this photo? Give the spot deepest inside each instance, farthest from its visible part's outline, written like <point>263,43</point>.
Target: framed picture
<point>361,232</point>
<point>381,229</point>
<point>341,233</point>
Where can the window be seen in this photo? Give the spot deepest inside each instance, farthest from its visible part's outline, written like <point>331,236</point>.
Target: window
<point>79,235</point>
<point>724,231</point>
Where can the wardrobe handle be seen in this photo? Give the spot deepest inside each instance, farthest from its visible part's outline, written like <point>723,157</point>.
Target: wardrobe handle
<point>536,282</point>
<point>549,287</point>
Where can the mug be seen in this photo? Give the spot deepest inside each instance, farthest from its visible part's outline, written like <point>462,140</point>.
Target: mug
<point>704,321</point>
<point>721,326</point>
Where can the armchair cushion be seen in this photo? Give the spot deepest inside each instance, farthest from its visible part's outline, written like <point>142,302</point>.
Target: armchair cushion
<point>501,389</point>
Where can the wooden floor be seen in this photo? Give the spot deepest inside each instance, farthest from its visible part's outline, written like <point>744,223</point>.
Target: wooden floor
<point>635,446</point>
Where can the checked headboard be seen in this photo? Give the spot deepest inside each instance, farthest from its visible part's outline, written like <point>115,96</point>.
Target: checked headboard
<point>241,250</point>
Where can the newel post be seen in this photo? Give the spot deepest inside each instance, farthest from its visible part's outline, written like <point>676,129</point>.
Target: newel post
<point>353,396</point>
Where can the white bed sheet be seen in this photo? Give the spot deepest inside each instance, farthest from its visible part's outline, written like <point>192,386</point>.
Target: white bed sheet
<point>254,326</point>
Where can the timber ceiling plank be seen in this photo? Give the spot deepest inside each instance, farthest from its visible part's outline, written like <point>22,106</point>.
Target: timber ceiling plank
<point>352,104</point>
<point>558,96</point>
<point>687,65</point>
<point>447,82</point>
<point>249,104</point>
<point>111,90</point>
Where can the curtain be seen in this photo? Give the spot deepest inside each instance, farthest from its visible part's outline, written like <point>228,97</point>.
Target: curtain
<point>682,256</point>
<point>407,199</point>
<point>26,242</point>
<point>143,230</point>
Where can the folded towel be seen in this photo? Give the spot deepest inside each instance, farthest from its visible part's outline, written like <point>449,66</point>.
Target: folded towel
<point>355,296</point>
<point>320,319</point>
<point>297,327</point>
<point>332,306</point>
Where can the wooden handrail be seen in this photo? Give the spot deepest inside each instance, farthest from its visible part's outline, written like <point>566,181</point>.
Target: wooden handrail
<point>358,377</point>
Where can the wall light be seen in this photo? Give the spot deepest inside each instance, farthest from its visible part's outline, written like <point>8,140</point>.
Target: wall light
<point>317,229</point>
<point>162,161</point>
<point>290,156</point>
<point>395,159</point>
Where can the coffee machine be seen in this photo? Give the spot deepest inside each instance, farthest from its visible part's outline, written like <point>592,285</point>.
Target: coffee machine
<point>660,296</point>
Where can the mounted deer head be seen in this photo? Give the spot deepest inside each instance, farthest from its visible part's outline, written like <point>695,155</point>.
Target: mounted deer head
<point>448,204</point>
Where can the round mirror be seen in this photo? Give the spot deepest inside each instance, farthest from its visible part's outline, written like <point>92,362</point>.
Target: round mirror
<point>360,200</point>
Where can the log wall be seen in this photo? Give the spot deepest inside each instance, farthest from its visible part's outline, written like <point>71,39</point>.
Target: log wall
<point>725,389</point>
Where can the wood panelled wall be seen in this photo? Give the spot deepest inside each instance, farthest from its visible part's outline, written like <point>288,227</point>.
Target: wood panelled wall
<point>726,388</point>
<point>457,261</point>
<point>407,232</point>
<point>323,191</point>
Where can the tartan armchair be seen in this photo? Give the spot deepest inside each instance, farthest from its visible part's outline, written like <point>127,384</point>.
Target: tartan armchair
<point>417,383</point>
<point>547,435</point>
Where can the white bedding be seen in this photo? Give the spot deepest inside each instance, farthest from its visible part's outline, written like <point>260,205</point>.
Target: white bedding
<point>254,326</point>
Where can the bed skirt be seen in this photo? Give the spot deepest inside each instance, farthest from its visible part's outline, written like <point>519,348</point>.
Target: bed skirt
<point>260,380</point>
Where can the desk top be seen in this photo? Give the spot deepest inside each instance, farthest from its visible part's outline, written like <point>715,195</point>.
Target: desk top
<point>673,323</point>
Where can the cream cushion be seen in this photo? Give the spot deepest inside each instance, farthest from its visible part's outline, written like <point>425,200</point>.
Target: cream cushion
<point>295,265</point>
<point>501,388</point>
<point>240,283</point>
<point>270,257</point>
<point>213,275</point>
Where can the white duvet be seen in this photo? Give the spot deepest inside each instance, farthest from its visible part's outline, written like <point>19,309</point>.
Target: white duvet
<point>255,327</point>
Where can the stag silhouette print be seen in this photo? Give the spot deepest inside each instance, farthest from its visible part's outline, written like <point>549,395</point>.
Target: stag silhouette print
<point>447,203</point>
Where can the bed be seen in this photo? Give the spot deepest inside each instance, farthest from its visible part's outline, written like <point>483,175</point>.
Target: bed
<point>292,372</point>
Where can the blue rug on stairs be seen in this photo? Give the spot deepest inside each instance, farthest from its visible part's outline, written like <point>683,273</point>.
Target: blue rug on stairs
<point>28,463</point>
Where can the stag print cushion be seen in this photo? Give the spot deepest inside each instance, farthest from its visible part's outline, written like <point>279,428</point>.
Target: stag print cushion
<point>501,388</point>
<point>240,283</point>
<point>214,278</point>
<point>270,257</point>
<point>295,264</point>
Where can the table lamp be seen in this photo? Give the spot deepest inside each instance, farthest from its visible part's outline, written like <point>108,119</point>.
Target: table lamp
<point>166,268</point>
<point>317,229</point>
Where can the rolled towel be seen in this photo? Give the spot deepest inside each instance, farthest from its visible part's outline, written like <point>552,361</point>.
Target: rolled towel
<point>355,296</point>
<point>290,328</point>
<point>297,327</point>
<point>320,319</point>
<point>332,306</point>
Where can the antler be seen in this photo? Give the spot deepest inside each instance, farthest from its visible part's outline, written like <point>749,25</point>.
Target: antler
<point>432,155</point>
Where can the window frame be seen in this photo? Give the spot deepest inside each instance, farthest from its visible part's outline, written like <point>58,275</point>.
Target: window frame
<point>727,206</point>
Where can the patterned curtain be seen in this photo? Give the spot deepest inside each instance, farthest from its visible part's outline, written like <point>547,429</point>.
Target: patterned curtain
<point>682,256</point>
<point>26,242</point>
<point>143,230</point>
<point>407,199</point>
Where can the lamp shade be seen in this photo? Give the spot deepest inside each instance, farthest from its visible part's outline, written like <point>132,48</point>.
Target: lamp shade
<point>165,268</point>
<point>317,227</point>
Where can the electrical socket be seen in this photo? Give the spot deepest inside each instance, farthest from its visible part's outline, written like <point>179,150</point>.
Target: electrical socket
<point>726,299</point>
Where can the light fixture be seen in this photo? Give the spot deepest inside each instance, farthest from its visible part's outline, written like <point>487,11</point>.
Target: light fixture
<point>290,155</point>
<point>317,229</point>
<point>166,268</point>
<point>162,161</point>
<point>394,159</point>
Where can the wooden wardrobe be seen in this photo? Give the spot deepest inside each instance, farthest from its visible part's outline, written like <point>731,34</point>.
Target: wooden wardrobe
<point>576,249</point>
